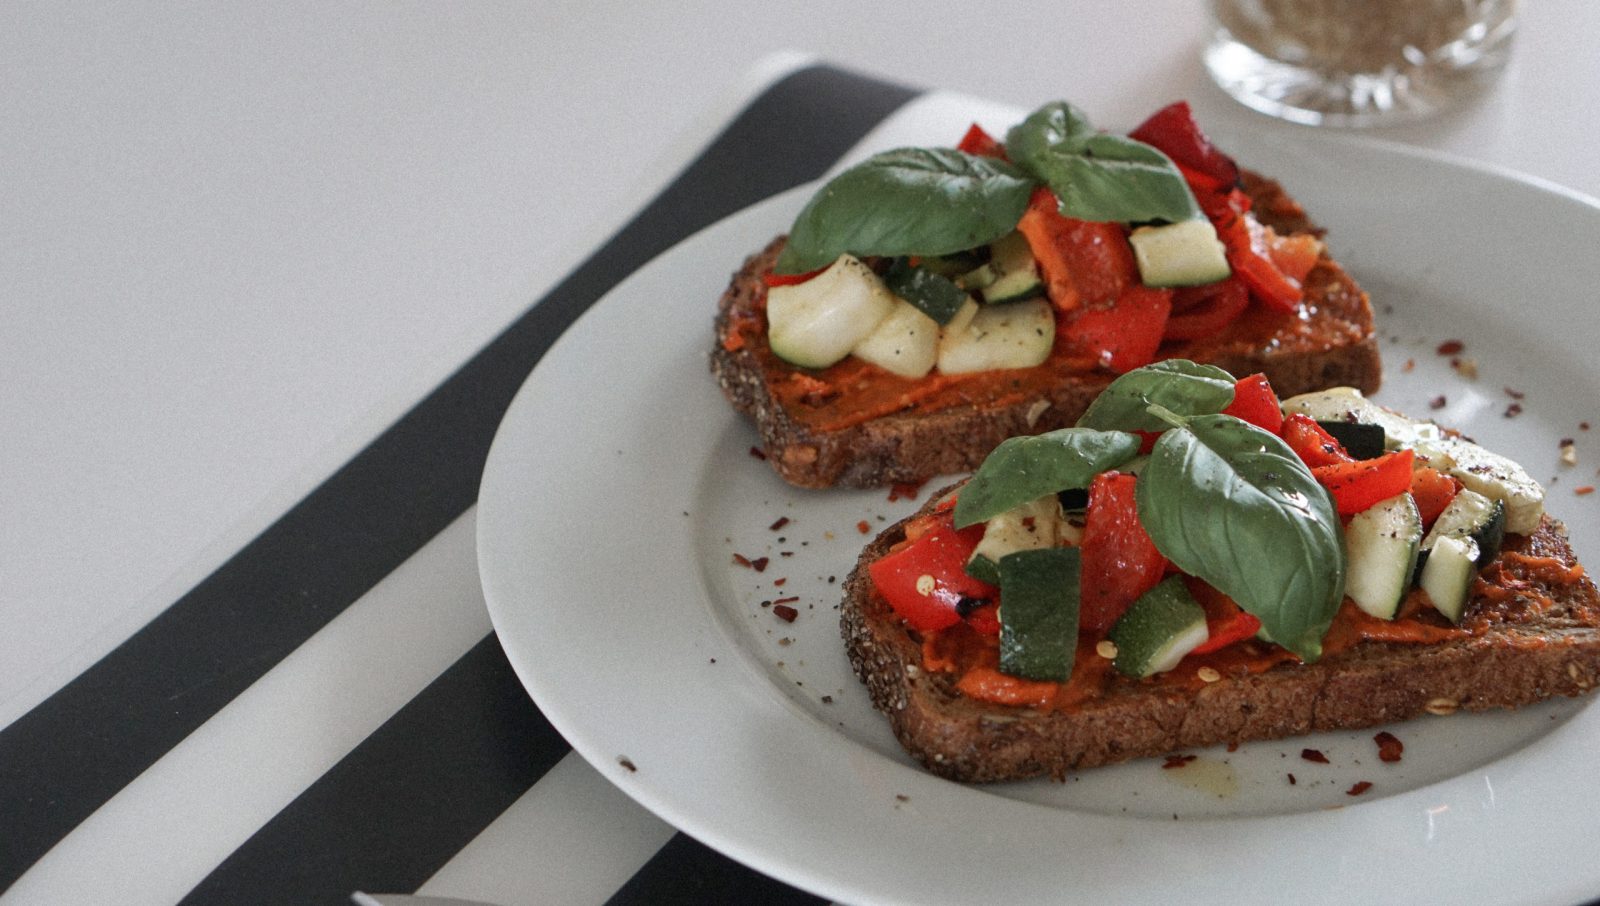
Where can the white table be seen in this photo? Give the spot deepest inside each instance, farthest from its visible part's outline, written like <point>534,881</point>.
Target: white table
<point>237,243</point>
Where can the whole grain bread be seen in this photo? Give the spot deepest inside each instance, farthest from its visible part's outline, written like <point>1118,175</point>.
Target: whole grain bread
<point>1540,638</point>
<point>1334,344</point>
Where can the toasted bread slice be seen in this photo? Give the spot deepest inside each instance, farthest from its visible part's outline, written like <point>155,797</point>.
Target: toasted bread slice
<point>1535,635</point>
<point>815,439</point>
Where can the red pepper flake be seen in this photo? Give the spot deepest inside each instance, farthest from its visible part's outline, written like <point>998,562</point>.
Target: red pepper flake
<point>778,583</point>
<point>1408,367</point>
<point>784,612</point>
<point>1584,491</point>
<point>1314,755</point>
<point>905,490</point>
<point>1514,394</point>
<point>759,564</point>
<point>1177,761</point>
<point>863,526</point>
<point>1361,786</point>
<point>1389,746</point>
<point>1292,781</point>
<point>1513,410</point>
<point>742,560</point>
<point>757,453</point>
<point>1451,347</point>
<point>782,521</point>
<point>789,600</point>
<point>1437,402</point>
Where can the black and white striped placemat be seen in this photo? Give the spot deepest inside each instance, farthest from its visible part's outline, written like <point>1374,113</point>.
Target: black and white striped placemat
<point>414,792</point>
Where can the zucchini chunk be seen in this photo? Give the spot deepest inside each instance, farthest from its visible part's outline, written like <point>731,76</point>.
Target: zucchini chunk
<point>1383,542</point>
<point>1015,335</point>
<point>1187,253</point>
<point>817,323</point>
<point>1158,629</point>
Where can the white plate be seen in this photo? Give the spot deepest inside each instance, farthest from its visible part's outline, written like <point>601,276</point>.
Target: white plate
<point>621,486</point>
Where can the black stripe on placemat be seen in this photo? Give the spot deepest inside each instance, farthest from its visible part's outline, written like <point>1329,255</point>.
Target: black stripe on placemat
<point>422,786</point>
<point>404,801</point>
<point>687,871</point>
<point>78,748</point>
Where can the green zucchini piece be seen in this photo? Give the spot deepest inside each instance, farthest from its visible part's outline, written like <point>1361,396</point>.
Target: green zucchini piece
<point>1011,274</point>
<point>1360,440</point>
<point>1472,515</point>
<point>1497,478</point>
<point>934,295</point>
<point>1382,542</point>
<point>983,569</point>
<point>1073,498</point>
<point>954,264</point>
<point>1018,335</point>
<point>1447,574</point>
<point>816,323</point>
<point>1158,629</point>
<point>905,342</point>
<point>1039,613</point>
<point>1346,404</point>
<point>1026,526</point>
<point>1186,253</point>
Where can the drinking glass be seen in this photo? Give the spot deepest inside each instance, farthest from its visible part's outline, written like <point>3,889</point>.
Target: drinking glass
<point>1357,62</point>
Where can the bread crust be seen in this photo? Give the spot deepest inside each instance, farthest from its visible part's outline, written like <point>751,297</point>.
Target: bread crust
<point>1531,652</point>
<point>914,446</point>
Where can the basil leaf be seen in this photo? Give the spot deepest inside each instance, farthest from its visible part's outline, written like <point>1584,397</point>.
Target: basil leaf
<point>1233,505</point>
<point>910,201</point>
<point>935,296</point>
<point>1178,385</point>
<point>1097,175</point>
<point>1039,604</point>
<point>1027,468</point>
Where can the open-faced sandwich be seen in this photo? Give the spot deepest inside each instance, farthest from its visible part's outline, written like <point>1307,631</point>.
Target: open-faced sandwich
<point>930,302</point>
<point>1195,564</point>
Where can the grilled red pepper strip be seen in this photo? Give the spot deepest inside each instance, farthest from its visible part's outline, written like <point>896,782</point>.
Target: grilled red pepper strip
<point>1226,622</point>
<point>1433,491</point>
<point>1254,402</point>
<point>1314,446</point>
<point>1202,311</point>
<point>1173,131</point>
<point>1125,335</point>
<point>925,581</point>
<point>1250,256</point>
<point>775,279</point>
<point>1358,485</point>
<point>981,143</point>
<point>1084,263</point>
<point>1295,254</point>
<point>1120,562</point>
